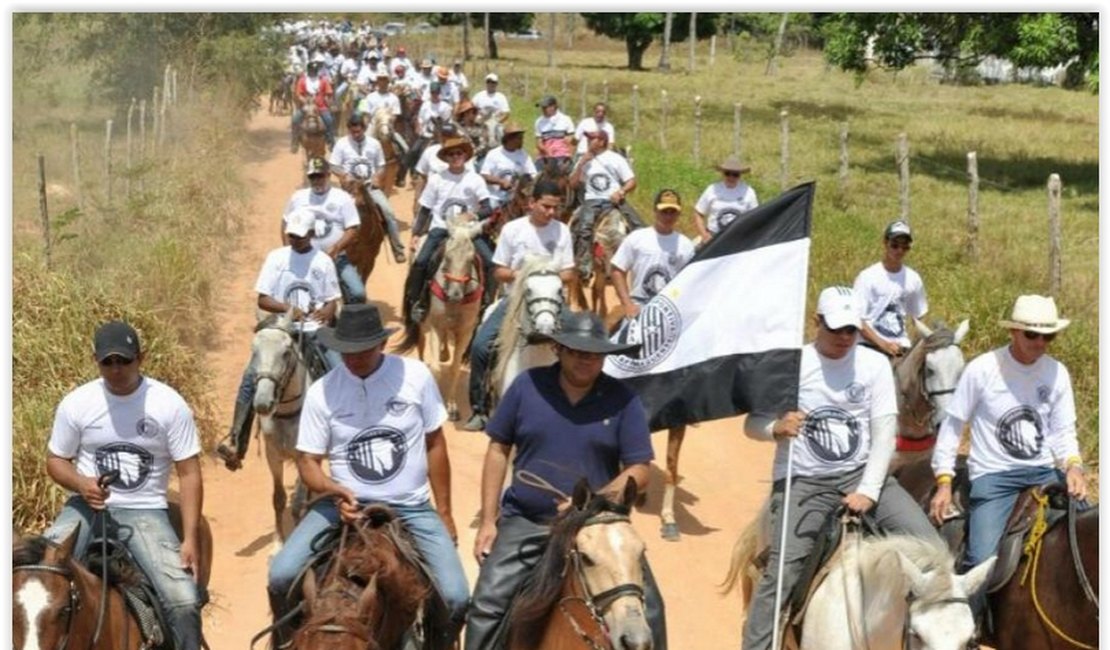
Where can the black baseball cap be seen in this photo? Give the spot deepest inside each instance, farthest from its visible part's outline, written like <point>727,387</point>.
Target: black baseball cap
<point>116,338</point>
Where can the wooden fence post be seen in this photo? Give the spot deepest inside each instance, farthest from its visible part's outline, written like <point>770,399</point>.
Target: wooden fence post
<point>583,106</point>
<point>784,168</point>
<point>174,86</point>
<point>663,120</point>
<point>736,142</point>
<point>1054,259</point>
<point>527,83</point>
<point>108,162</point>
<point>545,85</point>
<point>130,112</point>
<point>843,176</point>
<point>142,143</point>
<point>563,93</point>
<point>154,122</point>
<point>697,129</point>
<point>903,158</point>
<point>75,146</point>
<point>972,206</point>
<point>43,213</point>
<point>635,111</point>
<point>712,50</point>
<point>605,92</point>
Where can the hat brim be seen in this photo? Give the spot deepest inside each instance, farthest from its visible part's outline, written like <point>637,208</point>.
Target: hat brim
<point>115,352</point>
<point>668,206</point>
<point>841,319</point>
<point>469,149</point>
<point>1040,329</point>
<point>328,338</point>
<point>743,169</point>
<point>593,345</point>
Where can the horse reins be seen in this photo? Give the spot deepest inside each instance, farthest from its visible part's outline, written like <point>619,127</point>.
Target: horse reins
<point>280,381</point>
<point>103,481</point>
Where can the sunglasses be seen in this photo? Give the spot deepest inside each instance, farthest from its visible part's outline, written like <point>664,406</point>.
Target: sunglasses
<point>113,360</point>
<point>1033,336</point>
<point>732,174</point>
<point>452,154</point>
<point>901,247</point>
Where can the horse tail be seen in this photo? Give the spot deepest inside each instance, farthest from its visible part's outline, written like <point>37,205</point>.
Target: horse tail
<point>411,340</point>
<point>742,569</point>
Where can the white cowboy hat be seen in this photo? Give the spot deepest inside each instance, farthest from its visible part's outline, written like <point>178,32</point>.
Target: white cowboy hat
<point>1035,314</point>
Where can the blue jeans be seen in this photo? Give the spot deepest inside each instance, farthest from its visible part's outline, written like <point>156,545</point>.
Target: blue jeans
<point>483,356</point>
<point>390,219</point>
<point>350,282</point>
<point>329,123</point>
<point>428,533</point>
<point>992,499</point>
<point>150,538</point>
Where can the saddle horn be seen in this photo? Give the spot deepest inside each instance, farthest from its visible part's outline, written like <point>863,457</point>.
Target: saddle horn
<point>961,331</point>
<point>922,328</point>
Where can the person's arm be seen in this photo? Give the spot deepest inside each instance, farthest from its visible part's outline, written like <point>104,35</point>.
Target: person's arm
<point>890,347</point>
<point>580,169</point>
<point>64,473</point>
<point>422,222</point>
<point>700,223</point>
<point>326,313</point>
<point>944,466</point>
<point>765,427</point>
<point>620,283</point>
<point>503,274</point>
<point>311,470</point>
<point>625,189</point>
<point>349,235</point>
<point>639,472</point>
<point>192,502</point>
<point>439,476</point>
<point>494,467</point>
<point>275,306</point>
<point>870,486</point>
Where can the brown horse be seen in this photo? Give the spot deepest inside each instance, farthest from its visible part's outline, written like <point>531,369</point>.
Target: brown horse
<point>1044,604</point>
<point>56,598</point>
<point>609,232</point>
<point>313,132</point>
<point>588,589</point>
<point>363,251</point>
<point>371,595</point>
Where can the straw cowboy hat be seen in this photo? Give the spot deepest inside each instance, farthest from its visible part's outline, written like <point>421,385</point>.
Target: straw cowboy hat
<point>358,328</point>
<point>512,128</point>
<point>732,164</point>
<point>442,72</point>
<point>456,142</point>
<point>464,106</point>
<point>584,331</point>
<point>1035,314</point>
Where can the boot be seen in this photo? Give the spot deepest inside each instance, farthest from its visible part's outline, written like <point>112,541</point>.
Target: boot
<point>414,294</point>
<point>240,437</point>
<point>282,635</point>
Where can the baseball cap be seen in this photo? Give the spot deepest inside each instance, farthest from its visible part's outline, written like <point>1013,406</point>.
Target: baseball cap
<point>434,87</point>
<point>898,229</point>
<point>493,77</point>
<point>837,305</point>
<point>548,100</point>
<point>300,222</point>
<point>668,200</point>
<point>317,166</point>
<point>118,338</point>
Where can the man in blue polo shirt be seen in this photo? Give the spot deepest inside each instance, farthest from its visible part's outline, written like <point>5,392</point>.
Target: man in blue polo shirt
<point>567,421</point>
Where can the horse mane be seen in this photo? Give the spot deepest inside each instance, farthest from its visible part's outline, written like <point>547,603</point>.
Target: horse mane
<point>928,556</point>
<point>30,550</point>
<point>542,593</point>
<point>381,122</point>
<point>509,333</point>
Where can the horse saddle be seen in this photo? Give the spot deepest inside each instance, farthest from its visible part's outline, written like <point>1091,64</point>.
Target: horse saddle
<point>1020,525</point>
<point>126,576</point>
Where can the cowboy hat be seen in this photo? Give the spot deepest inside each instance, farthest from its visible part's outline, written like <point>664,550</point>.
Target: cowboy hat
<point>1035,314</point>
<point>511,128</point>
<point>464,106</point>
<point>732,164</point>
<point>584,331</point>
<point>358,328</point>
<point>442,72</point>
<point>456,142</point>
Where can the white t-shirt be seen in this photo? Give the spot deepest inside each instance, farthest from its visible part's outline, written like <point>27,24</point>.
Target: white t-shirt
<point>141,434</point>
<point>447,194</point>
<point>502,163</point>
<point>335,210</point>
<point>370,104</point>
<point>721,204</point>
<point>605,174</point>
<point>652,259</point>
<point>286,270</point>
<point>430,110</point>
<point>519,238</point>
<point>347,152</point>
<point>1020,415</point>
<point>487,103</point>
<point>840,398</point>
<point>430,163</point>
<point>374,430</point>
<point>555,128</point>
<point>887,298</point>
<point>448,92</point>
<point>589,125</point>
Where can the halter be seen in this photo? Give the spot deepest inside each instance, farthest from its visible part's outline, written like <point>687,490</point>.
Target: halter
<point>910,599</point>
<point>554,306</point>
<point>280,381</point>
<point>439,291</point>
<point>74,599</point>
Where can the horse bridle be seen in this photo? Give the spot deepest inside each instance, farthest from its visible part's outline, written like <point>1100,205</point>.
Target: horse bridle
<point>554,309</point>
<point>281,380</point>
<point>74,599</point>
<point>907,630</point>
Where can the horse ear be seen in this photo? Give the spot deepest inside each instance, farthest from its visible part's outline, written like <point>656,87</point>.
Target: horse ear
<point>581,494</point>
<point>630,492</point>
<point>285,321</point>
<point>368,597</point>
<point>308,587</point>
<point>974,579</point>
<point>961,331</point>
<point>914,576</point>
<point>922,328</point>
<point>64,552</point>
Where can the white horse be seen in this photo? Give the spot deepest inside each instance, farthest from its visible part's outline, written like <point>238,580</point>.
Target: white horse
<point>532,315</point>
<point>881,593</point>
<point>493,125</point>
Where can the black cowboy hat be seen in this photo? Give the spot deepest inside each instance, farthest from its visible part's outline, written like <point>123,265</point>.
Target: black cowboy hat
<point>358,328</point>
<point>584,331</point>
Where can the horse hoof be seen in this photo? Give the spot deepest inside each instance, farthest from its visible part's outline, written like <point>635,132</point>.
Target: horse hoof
<point>670,532</point>
<point>453,414</point>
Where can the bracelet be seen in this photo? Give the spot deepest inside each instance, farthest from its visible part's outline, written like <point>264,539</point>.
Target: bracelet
<point>1073,461</point>
<point>944,479</point>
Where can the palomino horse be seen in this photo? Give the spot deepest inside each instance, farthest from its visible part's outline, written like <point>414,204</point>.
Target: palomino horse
<point>609,232</point>
<point>588,589</point>
<point>890,592</point>
<point>363,251</point>
<point>371,595</point>
<point>531,317</point>
<point>394,147</point>
<point>282,379</point>
<point>56,598</point>
<point>456,299</point>
<point>926,378</point>
<point>313,131</point>
<point>1046,598</point>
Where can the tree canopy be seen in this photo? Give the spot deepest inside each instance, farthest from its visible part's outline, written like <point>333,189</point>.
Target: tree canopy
<point>498,22</point>
<point>640,29</point>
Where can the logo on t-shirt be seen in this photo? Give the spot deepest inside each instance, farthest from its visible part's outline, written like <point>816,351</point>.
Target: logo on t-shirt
<point>656,329</point>
<point>452,208</point>
<point>133,462</point>
<point>891,324</point>
<point>1021,432</point>
<point>1044,393</point>
<point>600,182</point>
<point>377,454</point>
<point>856,392</point>
<point>293,293</point>
<point>148,427</point>
<point>832,434</point>
<point>655,279</point>
<point>726,216</point>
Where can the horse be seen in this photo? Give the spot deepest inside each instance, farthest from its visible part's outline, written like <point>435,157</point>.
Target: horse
<point>531,316</point>
<point>896,591</point>
<point>1047,597</point>
<point>926,378</point>
<point>345,106</point>
<point>282,380</point>
<point>588,589</point>
<point>281,95</point>
<point>57,598</point>
<point>394,147</point>
<point>610,231</point>
<point>371,595</point>
<point>453,309</point>
<point>493,128</point>
<point>313,131</point>
<point>363,251</point>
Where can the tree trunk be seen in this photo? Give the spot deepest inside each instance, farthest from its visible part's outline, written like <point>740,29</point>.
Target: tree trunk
<point>772,63</point>
<point>466,37</point>
<point>570,29</point>
<point>636,50</point>
<point>693,39</point>
<point>491,49</point>
<point>551,42</point>
<point>492,44</point>
<point>665,56</point>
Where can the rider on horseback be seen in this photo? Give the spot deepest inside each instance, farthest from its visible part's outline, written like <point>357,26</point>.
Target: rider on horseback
<point>507,166</point>
<point>140,427</point>
<point>891,292</point>
<point>299,280</point>
<point>489,101</point>
<point>313,87</point>
<point>554,131</point>
<point>454,191</point>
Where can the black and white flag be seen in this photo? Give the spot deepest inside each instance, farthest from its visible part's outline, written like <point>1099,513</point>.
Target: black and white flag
<point>725,335</point>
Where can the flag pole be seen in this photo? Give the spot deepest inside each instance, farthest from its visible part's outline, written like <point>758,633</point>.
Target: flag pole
<point>782,541</point>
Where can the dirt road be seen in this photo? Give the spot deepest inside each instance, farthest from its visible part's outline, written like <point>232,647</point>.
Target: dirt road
<point>725,475</point>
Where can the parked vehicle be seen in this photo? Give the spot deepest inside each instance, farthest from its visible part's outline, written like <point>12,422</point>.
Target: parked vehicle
<point>393,29</point>
<point>528,35</point>
<point>423,28</point>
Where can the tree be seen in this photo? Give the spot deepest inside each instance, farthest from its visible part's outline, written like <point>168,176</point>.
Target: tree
<point>497,22</point>
<point>958,40</point>
<point>640,29</point>
<point>665,55</point>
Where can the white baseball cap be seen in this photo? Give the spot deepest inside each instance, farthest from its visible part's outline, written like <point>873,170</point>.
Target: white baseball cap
<point>300,222</point>
<point>493,77</point>
<point>837,305</point>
